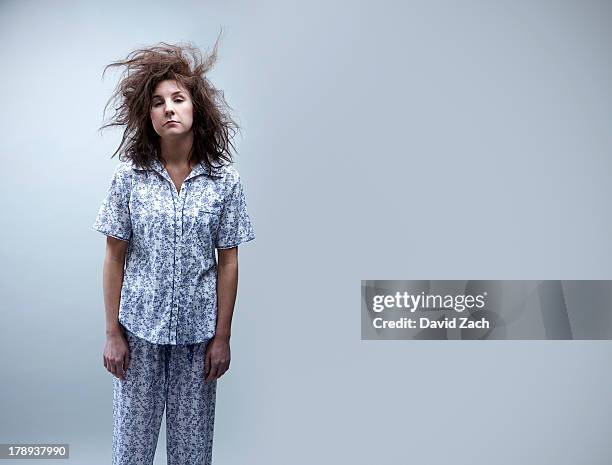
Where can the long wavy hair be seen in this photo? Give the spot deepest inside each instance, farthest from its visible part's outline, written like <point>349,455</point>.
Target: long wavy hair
<point>213,128</point>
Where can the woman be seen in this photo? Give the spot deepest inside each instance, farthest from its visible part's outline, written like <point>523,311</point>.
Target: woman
<point>169,303</point>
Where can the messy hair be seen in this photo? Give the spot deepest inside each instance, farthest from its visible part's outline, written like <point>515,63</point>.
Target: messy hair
<point>213,128</point>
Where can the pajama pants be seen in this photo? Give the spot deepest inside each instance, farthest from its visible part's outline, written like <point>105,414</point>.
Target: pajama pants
<point>163,376</point>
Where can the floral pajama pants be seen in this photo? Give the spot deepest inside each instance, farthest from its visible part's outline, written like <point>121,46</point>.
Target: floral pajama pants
<point>163,376</point>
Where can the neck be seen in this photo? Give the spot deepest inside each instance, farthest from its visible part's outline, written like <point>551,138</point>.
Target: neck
<point>175,152</point>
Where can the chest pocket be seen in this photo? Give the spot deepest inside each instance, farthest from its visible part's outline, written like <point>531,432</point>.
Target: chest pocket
<point>207,225</point>
<point>206,208</point>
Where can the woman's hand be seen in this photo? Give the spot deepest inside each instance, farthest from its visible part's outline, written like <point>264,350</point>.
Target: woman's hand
<point>217,358</point>
<point>116,354</point>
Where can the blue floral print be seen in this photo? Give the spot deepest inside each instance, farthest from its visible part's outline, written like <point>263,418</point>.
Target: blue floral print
<point>163,376</point>
<point>169,291</point>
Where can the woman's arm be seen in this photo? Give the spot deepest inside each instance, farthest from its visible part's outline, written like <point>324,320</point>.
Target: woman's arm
<point>227,288</point>
<point>116,352</point>
<point>114,261</point>
<point>218,351</point>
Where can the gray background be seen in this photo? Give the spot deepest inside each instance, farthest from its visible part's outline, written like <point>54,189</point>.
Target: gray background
<point>382,140</point>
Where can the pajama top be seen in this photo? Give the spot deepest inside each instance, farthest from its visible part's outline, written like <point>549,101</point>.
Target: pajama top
<point>169,291</point>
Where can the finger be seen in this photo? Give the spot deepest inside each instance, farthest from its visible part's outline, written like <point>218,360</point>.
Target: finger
<point>116,370</point>
<point>123,366</point>
<point>119,368</point>
<point>207,364</point>
<point>208,371</point>
<point>214,371</point>
<point>127,361</point>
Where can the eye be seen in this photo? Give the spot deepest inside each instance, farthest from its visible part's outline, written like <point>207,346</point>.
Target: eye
<point>158,103</point>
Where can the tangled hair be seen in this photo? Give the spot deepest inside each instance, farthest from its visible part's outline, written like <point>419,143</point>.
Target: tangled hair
<point>213,128</point>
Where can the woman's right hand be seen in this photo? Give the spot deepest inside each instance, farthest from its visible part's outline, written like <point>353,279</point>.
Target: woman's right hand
<point>116,354</point>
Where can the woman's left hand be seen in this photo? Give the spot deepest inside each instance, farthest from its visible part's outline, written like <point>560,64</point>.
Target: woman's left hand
<point>217,358</point>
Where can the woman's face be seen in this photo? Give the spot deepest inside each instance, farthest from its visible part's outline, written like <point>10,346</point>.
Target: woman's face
<point>171,103</point>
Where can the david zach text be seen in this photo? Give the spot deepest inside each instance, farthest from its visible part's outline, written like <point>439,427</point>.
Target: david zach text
<point>411,323</point>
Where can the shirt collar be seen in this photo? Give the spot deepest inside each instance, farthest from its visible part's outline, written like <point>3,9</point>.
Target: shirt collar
<point>199,168</point>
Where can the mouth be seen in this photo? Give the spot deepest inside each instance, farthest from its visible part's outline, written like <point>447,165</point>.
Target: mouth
<point>170,122</point>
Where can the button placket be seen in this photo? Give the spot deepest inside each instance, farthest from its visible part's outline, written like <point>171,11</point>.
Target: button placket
<point>174,301</point>
<point>178,241</point>
<point>178,200</point>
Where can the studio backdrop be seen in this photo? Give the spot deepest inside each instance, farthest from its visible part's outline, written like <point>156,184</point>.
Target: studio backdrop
<point>385,147</point>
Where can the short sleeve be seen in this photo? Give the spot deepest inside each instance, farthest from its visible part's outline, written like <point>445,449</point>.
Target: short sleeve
<point>235,225</point>
<point>114,215</point>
